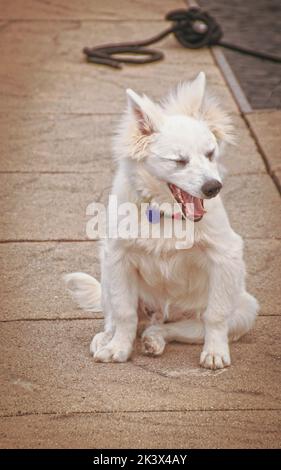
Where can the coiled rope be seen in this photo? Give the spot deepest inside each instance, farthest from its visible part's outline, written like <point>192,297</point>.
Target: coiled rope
<point>193,28</point>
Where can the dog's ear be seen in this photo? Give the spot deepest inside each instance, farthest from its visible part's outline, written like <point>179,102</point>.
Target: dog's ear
<point>222,127</point>
<point>210,110</point>
<point>187,98</point>
<point>148,115</point>
<point>197,91</point>
<point>218,120</point>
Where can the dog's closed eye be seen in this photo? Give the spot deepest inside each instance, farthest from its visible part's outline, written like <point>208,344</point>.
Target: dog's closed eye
<point>182,161</point>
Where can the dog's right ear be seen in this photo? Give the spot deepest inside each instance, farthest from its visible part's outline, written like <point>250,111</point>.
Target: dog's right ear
<point>148,115</point>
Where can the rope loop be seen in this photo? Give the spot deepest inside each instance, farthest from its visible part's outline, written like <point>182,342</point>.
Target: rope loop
<point>195,28</point>
<point>105,55</point>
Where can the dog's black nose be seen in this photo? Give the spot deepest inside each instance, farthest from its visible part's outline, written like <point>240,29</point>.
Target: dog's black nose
<point>211,188</point>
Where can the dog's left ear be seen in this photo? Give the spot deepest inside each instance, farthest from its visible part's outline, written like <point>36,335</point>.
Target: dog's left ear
<point>147,114</point>
<point>196,91</point>
<point>218,120</point>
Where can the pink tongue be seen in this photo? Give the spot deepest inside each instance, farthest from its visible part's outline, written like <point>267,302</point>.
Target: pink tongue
<point>197,205</point>
<point>193,206</point>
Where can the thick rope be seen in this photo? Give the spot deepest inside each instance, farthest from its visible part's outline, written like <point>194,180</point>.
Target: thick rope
<point>193,28</point>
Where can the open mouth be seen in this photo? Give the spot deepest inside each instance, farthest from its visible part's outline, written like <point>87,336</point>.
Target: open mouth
<point>192,207</point>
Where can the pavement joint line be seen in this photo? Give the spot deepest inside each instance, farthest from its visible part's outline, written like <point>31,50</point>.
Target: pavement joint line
<point>59,113</point>
<point>93,412</point>
<point>69,113</point>
<point>270,315</point>
<point>51,240</point>
<point>265,110</point>
<point>79,172</point>
<point>49,172</point>
<point>255,137</point>
<point>231,80</point>
<point>276,181</point>
<point>82,20</point>
<point>55,319</point>
<point>84,240</point>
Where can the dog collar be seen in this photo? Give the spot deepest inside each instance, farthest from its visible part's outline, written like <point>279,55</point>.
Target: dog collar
<point>154,214</point>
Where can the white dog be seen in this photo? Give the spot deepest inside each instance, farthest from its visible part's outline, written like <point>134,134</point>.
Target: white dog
<point>167,152</point>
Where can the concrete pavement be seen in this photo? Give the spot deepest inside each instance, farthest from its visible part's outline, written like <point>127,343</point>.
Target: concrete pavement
<point>56,118</point>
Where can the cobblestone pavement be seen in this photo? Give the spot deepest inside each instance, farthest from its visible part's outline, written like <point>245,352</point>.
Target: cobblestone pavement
<point>57,115</point>
<point>254,24</point>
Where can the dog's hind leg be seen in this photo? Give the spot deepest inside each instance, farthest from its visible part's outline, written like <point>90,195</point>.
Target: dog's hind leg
<point>155,337</point>
<point>243,317</point>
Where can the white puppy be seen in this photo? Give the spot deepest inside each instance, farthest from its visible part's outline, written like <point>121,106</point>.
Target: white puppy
<point>167,152</point>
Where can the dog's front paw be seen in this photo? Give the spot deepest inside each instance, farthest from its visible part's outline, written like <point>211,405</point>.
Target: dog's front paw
<point>113,352</point>
<point>153,343</point>
<point>99,341</point>
<point>211,359</point>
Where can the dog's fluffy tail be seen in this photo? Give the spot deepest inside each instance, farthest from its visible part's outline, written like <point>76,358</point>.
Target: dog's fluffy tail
<point>85,290</point>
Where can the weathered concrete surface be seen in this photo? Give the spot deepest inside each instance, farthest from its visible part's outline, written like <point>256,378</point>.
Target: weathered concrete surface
<point>263,260</point>
<point>165,430</point>
<point>31,285</point>
<point>62,81</point>
<point>69,143</point>
<point>102,10</point>
<point>48,369</point>
<point>30,204</point>
<point>253,205</point>
<point>56,120</point>
<point>266,127</point>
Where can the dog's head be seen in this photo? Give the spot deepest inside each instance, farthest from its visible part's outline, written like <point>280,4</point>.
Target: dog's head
<point>178,142</point>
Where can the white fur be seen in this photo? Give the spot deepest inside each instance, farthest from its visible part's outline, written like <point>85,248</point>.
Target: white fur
<point>203,288</point>
<point>85,290</point>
